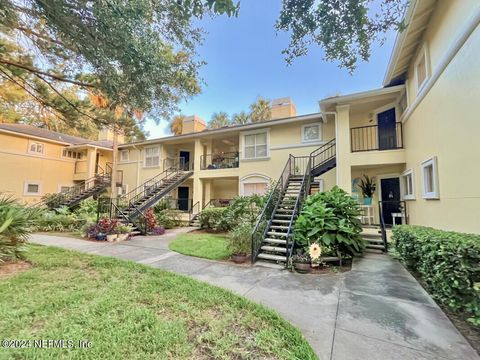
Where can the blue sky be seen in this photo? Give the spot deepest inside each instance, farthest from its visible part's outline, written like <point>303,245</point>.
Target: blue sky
<point>244,61</point>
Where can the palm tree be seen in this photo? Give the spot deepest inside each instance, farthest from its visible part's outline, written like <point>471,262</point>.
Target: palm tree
<point>260,110</point>
<point>219,120</point>
<point>176,124</point>
<point>241,118</point>
<point>16,223</point>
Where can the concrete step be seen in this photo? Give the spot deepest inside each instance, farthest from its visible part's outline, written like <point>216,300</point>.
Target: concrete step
<point>269,265</point>
<point>376,247</point>
<point>275,241</point>
<point>279,227</point>
<point>281,221</point>
<point>274,233</point>
<point>274,249</point>
<point>272,257</point>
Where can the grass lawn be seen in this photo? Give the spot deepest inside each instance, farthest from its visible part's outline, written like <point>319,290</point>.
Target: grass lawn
<point>130,311</point>
<point>208,246</point>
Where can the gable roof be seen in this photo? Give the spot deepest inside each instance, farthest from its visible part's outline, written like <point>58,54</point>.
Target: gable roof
<point>30,130</point>
<point>416,20</point>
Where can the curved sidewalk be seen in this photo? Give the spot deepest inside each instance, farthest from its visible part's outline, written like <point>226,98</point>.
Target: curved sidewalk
<point>376,311</point>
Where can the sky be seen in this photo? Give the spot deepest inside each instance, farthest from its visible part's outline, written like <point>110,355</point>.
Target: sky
<point>244,61</point>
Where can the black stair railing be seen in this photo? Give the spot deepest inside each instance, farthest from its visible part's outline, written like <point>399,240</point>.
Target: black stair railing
<point>151,185</point>
<point>303,193</point>
<point>265,218</point>
<point>77,192</point>
<point>390,207</point>
<point>323,154</point>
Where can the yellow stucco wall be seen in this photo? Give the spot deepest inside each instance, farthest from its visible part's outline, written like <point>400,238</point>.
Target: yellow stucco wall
<point>50,170</point>
<point>445,124</point>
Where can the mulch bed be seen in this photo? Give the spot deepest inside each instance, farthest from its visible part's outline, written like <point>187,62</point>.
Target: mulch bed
<point>12,268</point>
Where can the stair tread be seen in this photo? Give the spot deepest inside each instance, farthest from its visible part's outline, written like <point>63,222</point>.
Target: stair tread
<point>272,257</point>
<point>275,241</point>
<point>273,248</point>
<point>273,233</point>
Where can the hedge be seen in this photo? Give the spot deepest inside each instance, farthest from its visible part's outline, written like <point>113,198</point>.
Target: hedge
<point>448,263</point>
<point>212,218</point>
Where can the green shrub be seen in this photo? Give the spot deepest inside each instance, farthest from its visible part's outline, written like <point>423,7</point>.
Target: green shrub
<point>16,223</point>
<point>169,219</point>
<point>448,262</point>
<point>240,238</point>
<point>241,209</point>
<point>330,219</point>
<point>212,218</point>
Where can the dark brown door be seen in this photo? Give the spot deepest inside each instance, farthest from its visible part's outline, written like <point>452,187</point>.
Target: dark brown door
<point>387,135</point>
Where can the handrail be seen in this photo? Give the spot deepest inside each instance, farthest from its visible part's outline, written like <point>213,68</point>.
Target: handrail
<point>192,213</point>
<point>383,227</point>
<point>298,203</point>
<point>56,199</point>
<point>151,184</point>
<point>222,160</point>
<point>366,138</point>
<point>324,153</point>
<point>264,220</point>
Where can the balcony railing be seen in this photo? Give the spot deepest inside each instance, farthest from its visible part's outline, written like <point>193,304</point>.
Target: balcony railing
<point>226,160</point>
<point>369,138</point>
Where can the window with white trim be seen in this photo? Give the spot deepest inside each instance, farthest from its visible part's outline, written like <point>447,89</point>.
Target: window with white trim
<point>72,154</point>
<point>152,156</point>
<point>430,179</point>
<point>122,190</point>
<point>124,155</point>
<point>311,132</point>
<point>407,185</point>
<point>254,188</point>
<point>422,68</point>
<point>255,146</point>
<point>32,188</point>
<point>36,148</point>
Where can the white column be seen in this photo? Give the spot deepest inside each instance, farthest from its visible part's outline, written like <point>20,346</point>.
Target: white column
<point>342,135</point>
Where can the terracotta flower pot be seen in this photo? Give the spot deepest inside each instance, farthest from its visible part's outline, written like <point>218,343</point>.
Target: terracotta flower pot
<point>239,258</point>
<point>302,268</point>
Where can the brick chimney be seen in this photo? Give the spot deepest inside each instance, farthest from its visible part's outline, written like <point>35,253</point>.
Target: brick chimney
<point>283,108</point>
<point>193,124</point>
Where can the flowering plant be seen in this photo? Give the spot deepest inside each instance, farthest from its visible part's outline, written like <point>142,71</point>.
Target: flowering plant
<point>315,251</point>
<point>108,226</point>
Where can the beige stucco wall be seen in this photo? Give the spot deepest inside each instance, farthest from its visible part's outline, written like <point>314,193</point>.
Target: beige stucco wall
<point>445,124</point>
<point>50,170</point>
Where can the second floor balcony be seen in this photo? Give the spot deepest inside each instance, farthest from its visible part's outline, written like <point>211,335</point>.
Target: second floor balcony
<point>224,160</point>
<point>376,137</point>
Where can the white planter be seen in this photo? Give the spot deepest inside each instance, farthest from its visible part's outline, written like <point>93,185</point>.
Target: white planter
<point>122,237</point>
<point>111,237</point>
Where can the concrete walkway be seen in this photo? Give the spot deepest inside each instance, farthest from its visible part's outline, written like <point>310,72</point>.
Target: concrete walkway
<point>376,311</point>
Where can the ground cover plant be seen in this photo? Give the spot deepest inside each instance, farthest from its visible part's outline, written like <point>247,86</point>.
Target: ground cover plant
<point>131,311</point>
<point>204,245</point>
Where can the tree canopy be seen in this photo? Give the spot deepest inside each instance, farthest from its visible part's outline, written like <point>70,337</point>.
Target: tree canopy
<point>345,29</point>
<point>139,56</point>
<point>219,120</point>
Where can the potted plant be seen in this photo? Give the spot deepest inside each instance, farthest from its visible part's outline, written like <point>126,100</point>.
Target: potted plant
<point>368,187</point>
<point>108,227</point>
<point>123,232</point>
<point>301,263</point>
<point>240,241</point>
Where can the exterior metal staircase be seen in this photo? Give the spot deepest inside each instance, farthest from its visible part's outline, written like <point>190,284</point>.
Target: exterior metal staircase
<point>272,237</point>
<point>79,192</point>
<point>129,209</point>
